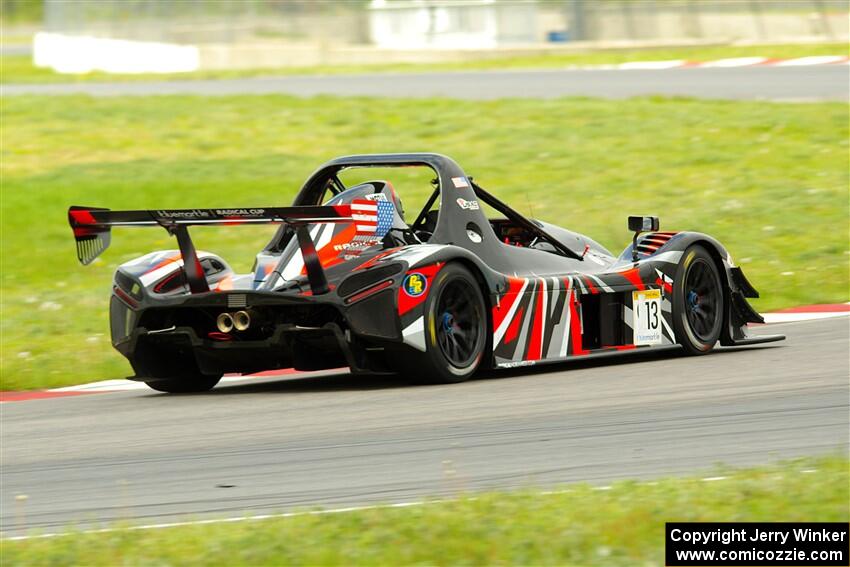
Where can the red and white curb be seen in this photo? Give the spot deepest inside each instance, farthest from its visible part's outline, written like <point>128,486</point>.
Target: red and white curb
<point>122,385</point>
<point>725,63</point>
<point>791,315</point>
<point>808,313</point>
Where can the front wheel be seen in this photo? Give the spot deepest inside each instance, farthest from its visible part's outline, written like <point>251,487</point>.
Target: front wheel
<point>697,301</point>
<point>185,384</point>
<point>455,329</point>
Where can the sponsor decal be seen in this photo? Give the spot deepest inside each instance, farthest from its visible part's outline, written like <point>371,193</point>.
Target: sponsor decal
<point>468,205</point>
<point>415,284</point>
<point>413,291</point>
<point>646,311</point>
<point>183,214</point>
<point>376,197</point>
<point>517,363</point>
<point>373,219</point>
<point>239,212</point>
<point>359,245</point>
<point>460,182</point>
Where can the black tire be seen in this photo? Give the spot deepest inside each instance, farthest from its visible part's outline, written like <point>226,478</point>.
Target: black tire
<point>456,312</point>
<point>185,384</point>
<point>698,301</point>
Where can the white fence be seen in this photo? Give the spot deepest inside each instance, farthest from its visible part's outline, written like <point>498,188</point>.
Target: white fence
<point>163,36</point>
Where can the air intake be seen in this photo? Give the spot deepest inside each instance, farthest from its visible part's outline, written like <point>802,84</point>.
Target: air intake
<point>360,280</point>
<point>650,243</point>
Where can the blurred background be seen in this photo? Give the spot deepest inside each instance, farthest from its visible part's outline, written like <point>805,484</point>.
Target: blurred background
<point>191,35</point>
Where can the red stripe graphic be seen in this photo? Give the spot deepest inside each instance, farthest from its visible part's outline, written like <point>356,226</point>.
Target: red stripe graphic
<point>513,328</point>
<point>82,216</point>
<point>575,327</point>
<point>668,288</point>
<point>328,254</point>
<point>503,307</point>
<point>535,343</point>
<point>168,260</point>
<point>407,302</point>
<point>633,275</point>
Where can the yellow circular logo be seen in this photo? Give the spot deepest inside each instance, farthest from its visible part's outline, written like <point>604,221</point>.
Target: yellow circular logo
<point>415,284</point>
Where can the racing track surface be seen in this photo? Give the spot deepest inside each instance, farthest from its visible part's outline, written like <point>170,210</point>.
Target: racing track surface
<point>804,83</point>
<point>275,444</point>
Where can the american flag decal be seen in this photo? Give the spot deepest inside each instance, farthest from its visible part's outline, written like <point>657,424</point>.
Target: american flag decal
<point>372,219</point>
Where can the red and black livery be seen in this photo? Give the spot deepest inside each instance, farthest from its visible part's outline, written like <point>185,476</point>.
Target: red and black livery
<point>346,281</point>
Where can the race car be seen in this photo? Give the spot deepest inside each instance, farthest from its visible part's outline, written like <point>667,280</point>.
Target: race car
<point>349,280</point>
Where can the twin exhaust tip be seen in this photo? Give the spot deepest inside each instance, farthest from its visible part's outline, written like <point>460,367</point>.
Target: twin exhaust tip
<point>226,322</point>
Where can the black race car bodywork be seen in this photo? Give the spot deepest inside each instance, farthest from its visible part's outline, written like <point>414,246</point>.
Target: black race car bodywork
<point>350,283</point>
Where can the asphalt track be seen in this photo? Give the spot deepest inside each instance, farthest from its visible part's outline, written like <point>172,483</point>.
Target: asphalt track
<point>798,84</point>
<point>277,444</point>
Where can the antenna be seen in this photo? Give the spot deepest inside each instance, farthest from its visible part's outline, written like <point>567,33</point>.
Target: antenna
<point>530,206</point>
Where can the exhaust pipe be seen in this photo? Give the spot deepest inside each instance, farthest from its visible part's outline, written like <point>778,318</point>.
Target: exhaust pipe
<point>224,323</point>
<point>241,320</point>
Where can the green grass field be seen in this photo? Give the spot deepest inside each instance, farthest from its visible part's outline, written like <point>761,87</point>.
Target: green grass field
<point>768,180</point>
<point>623,525</point>
<point>18,69</point>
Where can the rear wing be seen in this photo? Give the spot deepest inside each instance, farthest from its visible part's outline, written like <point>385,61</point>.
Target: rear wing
<point>92,230</point>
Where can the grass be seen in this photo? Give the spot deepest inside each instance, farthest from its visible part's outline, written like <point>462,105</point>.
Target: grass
<point>768,180</point>
<point>580,526</point>
<point>19,69</point>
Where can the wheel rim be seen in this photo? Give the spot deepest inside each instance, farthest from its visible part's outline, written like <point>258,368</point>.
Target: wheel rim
<point>702,300</point>
<point>457,322</point>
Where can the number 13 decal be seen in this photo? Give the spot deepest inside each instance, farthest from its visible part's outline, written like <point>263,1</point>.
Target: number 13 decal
<point>652,314</point>
<point>646,311</point>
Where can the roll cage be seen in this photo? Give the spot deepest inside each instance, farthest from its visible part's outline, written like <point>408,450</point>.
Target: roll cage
<point>452,221</point>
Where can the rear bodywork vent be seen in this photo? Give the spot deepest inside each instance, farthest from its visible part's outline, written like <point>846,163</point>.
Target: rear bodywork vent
<point>360,280</point>
<point>128,285</point>
<point>177,280</point>
<point>651,242</point>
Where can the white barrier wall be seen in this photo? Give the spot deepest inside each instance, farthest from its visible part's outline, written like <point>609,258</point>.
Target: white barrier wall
<point>454,24</point>
<point>84,54</point>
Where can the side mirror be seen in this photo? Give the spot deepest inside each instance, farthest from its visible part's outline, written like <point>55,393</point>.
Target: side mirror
<point>638,225</point>
<point>644,224</point>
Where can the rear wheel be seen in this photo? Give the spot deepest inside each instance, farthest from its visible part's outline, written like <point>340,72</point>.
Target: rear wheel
<point>697,301</point>
<point>455,329</point>
<point>185,384</point>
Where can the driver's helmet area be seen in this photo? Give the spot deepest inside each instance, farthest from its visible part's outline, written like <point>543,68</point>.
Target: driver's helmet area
<point>336,242</point>
<point>374,190</point>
